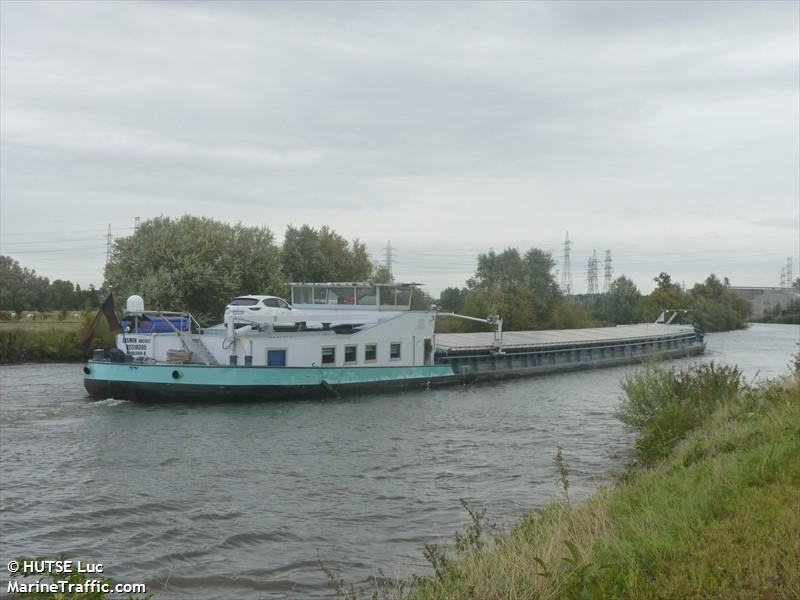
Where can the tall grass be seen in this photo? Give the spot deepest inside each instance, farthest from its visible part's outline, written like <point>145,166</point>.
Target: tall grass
<point>49,344</point>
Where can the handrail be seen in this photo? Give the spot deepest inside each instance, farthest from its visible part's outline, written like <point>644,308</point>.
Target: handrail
<point>175,329</point>
<point>163,313</point>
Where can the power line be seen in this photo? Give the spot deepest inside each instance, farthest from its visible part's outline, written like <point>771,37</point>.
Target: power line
<point>38,242</point>
<point>97,249</point>
<point>607,272</point>
<point>34,233</point>
<point>108,245</point>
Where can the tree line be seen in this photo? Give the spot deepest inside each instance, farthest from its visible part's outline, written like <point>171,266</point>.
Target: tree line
<point>22,289</point>
<point>521,287</point>
<point>199,264</point>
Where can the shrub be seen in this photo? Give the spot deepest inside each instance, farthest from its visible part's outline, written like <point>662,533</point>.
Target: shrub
<point>663,405</point>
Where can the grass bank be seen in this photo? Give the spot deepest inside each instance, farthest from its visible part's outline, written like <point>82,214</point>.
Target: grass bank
<point>710,509</point>
<point>48,342</point>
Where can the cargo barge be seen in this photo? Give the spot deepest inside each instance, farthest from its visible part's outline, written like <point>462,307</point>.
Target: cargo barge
<point>344,338</point>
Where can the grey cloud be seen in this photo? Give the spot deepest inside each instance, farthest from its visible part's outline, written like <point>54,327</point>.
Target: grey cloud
<point>274,105</point>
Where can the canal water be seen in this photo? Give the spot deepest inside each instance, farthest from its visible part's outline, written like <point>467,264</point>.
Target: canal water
<point>243,500</point>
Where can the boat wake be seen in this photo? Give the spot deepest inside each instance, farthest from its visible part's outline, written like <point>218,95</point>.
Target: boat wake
<point>106,402</point>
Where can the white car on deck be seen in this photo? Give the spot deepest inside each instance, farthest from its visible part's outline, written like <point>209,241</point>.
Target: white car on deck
<point>257,308</point>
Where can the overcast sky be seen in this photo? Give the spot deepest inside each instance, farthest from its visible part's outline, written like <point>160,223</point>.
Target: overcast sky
<point>666,132</point>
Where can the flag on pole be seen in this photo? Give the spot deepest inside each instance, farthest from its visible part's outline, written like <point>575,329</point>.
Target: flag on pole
<point>107,310</point>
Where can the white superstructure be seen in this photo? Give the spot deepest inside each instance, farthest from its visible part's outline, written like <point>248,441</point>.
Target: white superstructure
<point>327,325</point>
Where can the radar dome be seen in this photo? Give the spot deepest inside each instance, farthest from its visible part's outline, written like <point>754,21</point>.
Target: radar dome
<point>135,305</point>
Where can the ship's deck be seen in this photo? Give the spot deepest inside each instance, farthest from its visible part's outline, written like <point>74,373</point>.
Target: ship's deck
<point>454,342</point>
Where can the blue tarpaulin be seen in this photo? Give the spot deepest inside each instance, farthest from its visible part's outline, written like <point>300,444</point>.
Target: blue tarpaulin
<point>155,324</point>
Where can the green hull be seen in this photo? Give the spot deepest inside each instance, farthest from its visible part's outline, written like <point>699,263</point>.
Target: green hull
<point>129,381</point>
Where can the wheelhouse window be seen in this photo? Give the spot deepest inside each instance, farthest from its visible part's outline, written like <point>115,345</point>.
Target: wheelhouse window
<point>303,294</point>
<point>394,351</point>
<point>396,296</point>
<point>343,295</point>
<point>366,296</point>
<point>323,295</point>
<point>329,355</point>
<point>370,352</point>
<point>350,354</point>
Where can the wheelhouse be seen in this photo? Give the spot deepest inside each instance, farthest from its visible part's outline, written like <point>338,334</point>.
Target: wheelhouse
<point>360,296</point>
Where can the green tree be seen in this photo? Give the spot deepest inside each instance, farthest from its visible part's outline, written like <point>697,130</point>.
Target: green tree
<point>323,255</point>
<point>494,269</point>
<point>194,264</point>
<point>570,315</point>
<point>381,273</point>
<point>452,299</point>
<point>667,295</point>
<point>301,255</point>
<point>716,307</point>
<point>62,295</point>
<point>21,288</point>
<point>520,288</point>
<point>621,304</point>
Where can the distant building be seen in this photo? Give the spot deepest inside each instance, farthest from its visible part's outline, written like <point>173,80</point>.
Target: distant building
<point>767,299</point>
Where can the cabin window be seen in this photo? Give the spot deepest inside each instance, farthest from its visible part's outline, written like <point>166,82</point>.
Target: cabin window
<point>341,295</point>
<point>370,352</point>
<point>395,296</point>
<point>350,354</point>
<point>329,355</point>
<point>394,351</point>
<point>321,296</point>
<point>303,295</point>
<point>276,358</point>
<point>366,295</point>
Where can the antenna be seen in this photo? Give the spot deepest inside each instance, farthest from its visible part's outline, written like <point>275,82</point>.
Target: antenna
<point>108,244</point>
<point>608,271</point>
<point>566,268</point>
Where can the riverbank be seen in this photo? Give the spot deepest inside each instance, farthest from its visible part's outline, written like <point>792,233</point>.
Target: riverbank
<point>711,509</point>
<point>47,342</point>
